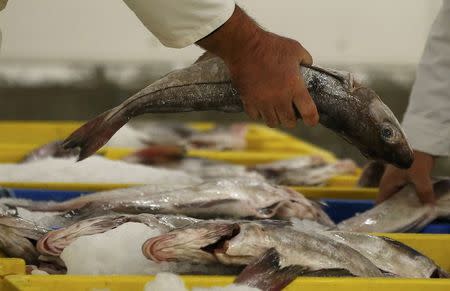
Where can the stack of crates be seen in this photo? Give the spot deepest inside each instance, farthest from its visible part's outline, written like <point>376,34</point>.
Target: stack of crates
<point>263,145</point>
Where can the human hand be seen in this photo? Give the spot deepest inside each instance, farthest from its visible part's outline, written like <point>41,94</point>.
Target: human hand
<point>267,77</point>
<point>419,174</point>
<point>264,68</point>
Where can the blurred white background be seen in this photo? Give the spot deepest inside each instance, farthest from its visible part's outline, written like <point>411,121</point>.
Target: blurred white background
<point>105,31</point>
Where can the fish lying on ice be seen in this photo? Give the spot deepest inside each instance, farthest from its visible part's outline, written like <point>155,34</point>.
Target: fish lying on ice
<point>390,256</point>
<point>238,197</point>
<point>403,212</point>
<point>239,243</point>
<point>304,171</point>
<point>351,110</point>
<point>318,252</point>
<point>16,236</point>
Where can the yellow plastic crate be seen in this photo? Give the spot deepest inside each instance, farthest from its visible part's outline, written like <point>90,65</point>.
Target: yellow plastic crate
<point>41,132</point>
<point>436,247</point>
<point>11,266</point>
<point>137,283</point>
<point>259,138</point>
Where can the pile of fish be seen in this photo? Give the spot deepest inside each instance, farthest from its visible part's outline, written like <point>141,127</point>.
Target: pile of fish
<point>300,171</point>
<point>215,227</point>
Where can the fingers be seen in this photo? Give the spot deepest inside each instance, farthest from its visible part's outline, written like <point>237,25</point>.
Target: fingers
<point>252,112</point>
<point>305,104</point>
<point>392,180</point>
<point>286,115</point>
<point>269,116</point>
<point>424,189</point>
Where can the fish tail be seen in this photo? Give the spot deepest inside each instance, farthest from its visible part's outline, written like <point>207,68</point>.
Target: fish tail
<point>95,133</point>
<point>266,274</point>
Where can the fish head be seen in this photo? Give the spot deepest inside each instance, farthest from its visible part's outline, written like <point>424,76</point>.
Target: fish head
<point>195,243</point>
<point>381,137</point>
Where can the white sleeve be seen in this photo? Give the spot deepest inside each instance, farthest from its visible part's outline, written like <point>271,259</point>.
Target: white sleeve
<point>179,23</point>
<point>427,119</point>
<point>3,4</point>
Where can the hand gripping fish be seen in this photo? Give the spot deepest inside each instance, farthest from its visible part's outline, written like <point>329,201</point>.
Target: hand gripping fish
<point>354,112</point>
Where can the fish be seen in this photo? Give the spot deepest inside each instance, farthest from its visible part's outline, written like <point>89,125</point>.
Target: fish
<point>20,229</point>
<point>53,149</point>
<point>54,242</point>
<point>156,155</point>
<point>169,133</point>
<point>231,137</point>
<point>297,163</point>
<point>17,236</point>
<point>403,212</point>
<point>314,176</point>
<point>211,169</point>
<point>371,174</point>
<point>238,197</point>
<point>351,110</point>
<point>390,256</point>
<point>266,274</point>
<point>239,243</point>
<point>135,193</point>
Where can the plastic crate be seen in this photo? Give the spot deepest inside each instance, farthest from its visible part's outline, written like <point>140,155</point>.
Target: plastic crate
<point>337,209</point>
<point>11,266</point>
<point>137,283</point>
<point>259,137</point>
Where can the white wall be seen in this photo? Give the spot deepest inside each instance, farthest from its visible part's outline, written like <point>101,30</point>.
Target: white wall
<point>343,31</point>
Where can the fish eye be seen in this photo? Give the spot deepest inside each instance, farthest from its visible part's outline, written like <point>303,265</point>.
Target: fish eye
<point>386,133</point>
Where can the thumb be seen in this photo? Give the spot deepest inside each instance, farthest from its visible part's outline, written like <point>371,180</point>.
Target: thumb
<point>391,182</point>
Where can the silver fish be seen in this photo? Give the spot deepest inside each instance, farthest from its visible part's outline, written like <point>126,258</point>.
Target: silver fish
<point>353,111</point>
<point>403,212</point>
<point>136,193</point>
<point>239,243</point>
<point>314,175</point>
<point>16,235</point>
<point>238,197</point>
<point>389,255</point>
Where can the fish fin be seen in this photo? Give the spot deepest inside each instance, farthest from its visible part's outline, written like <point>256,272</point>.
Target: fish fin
<point>401,245</point>
<point>266,274</point>
<point>439,273</point>
<point>371,175</point>
<point>344,77</point>
<point>91,136</point>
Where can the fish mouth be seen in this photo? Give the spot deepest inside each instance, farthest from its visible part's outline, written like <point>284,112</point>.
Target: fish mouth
<point>48,246</point>
<point>193,245</point>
